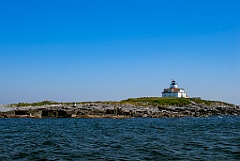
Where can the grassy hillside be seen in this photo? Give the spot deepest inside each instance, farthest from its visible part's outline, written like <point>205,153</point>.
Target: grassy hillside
<point>157,101</point>
<point>171,101</point>
<point>144,101</point>
<point>24,104</point>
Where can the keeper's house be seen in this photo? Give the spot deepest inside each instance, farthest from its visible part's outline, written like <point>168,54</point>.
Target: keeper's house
<point>174,91</point>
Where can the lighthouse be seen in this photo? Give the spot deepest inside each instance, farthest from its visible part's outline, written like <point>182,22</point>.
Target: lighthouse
<point>174,91</point>
<point>173,84</point>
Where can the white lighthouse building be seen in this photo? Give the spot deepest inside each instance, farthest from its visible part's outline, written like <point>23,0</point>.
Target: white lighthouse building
<point>174,91</point>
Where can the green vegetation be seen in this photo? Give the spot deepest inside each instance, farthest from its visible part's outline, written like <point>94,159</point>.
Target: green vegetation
<point>144,101</point>
<point>207,102</point>
<point>158,101</point>
<point>24,104</point>
<point>180,102</point>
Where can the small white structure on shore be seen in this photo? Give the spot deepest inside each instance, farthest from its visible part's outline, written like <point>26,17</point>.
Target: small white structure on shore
<point>174,91</point>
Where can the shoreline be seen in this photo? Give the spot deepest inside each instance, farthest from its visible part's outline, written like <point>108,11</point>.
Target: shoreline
<point>119,111</point>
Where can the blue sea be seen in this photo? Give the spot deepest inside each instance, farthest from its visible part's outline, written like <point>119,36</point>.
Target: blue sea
<point>210,138</point>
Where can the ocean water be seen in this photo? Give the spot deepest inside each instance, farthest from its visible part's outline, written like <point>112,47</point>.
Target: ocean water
<point>212,138</point>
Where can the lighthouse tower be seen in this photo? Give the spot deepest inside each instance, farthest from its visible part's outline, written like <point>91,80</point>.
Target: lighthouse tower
<point>173,84</point>
<point>174,91</point>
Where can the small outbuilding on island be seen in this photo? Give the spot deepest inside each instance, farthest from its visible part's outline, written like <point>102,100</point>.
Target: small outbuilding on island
<point>174,91</point>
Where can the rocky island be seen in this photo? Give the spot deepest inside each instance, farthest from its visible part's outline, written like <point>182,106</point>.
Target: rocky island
<point>154,107</point>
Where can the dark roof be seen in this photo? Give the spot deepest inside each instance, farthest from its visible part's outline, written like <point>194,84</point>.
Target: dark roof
<point>174,82</point>
<point>172,90</point>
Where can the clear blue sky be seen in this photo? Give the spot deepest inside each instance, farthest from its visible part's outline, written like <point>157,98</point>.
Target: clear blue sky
<point>90,50</point>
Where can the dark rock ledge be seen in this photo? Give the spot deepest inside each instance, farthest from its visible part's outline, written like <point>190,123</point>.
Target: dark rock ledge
<point>102,110</point>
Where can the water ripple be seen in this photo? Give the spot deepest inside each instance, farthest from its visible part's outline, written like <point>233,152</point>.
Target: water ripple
<point>210,138</point>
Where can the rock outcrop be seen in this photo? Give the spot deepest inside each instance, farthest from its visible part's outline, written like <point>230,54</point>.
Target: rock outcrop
<point>104,110</point>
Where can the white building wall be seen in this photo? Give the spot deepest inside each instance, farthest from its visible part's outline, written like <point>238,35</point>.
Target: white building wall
<point>164,94</point>
<point>176,95</point>
<point>181,90</point>
<point>184,95</point>
<point>169,94</point>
